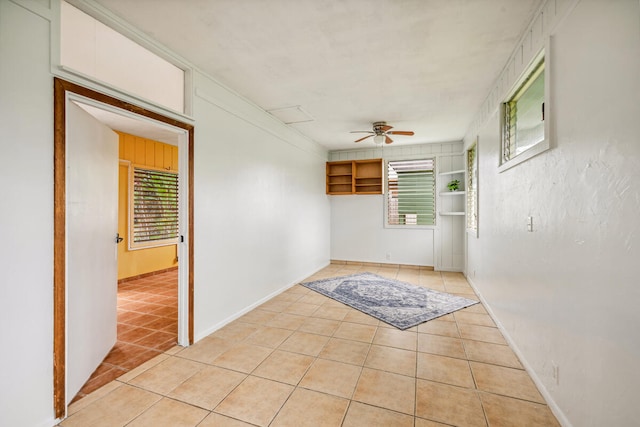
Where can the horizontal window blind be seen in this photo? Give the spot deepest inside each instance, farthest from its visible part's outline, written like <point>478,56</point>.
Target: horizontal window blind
<point>472,189</point>
<point>155,205</point>
<point>411,192</point>
<point>523,115</point>
<point>509,130</point>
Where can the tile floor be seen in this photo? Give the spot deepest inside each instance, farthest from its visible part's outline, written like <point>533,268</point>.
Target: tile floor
<point>147,326</point>
<point>302,359</point>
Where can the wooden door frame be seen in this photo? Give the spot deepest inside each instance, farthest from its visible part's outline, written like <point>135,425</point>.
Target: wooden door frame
<point>60,89</point>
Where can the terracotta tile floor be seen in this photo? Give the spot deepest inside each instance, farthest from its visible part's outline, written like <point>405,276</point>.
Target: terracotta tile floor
<point>304,359</point>
<point>147,326</point>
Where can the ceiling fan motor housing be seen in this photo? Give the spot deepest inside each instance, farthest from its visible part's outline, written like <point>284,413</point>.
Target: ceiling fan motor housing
<point>379,127</point>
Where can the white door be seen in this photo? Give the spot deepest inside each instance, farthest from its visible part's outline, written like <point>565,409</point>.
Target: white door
<point>92,225</point>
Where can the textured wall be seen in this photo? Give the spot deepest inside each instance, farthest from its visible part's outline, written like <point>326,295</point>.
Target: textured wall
<point>567,293</point>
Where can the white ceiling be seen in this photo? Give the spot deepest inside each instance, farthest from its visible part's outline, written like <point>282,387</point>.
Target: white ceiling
<point>421,65</point>
<point>139,126</point>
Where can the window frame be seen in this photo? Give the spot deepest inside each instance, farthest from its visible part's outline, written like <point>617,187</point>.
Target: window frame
<point>132,245</point>
<point>472,172</point>
<point>386,224</point>
<point>545,144</point>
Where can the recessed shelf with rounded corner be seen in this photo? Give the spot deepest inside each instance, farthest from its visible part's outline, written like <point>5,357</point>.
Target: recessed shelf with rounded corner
<point>451,213</point>
<point>452,193</point>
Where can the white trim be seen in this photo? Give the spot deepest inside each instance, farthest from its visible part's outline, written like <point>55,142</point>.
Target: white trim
<point>385,190</point>
<point>35,7</point>
<point>183,244</point>
<point>543,23</point>
<point>103,86</point>
<point>539,148</point>
<point>111,20</point>
<point>183,247</point>
<point>545,144</point>
<point>471,231</point>
<point>105,17</point>
<point>555,409</point>
<point>93,103</point>
<point>312,148</point>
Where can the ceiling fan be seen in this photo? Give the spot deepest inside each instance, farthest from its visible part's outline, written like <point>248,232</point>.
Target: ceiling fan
<point>381,132</point>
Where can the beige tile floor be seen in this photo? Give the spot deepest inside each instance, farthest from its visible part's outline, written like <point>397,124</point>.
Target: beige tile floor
<point>302,359</point>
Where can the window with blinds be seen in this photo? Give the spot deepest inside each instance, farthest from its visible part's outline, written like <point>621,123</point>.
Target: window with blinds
<point>155,208</point>
<point>411,192</point>
<point>523,115</point>
<point>472,189</point>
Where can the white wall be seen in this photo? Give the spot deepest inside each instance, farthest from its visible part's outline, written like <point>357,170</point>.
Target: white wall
<point>567,294</point>
<point>26,218</point>
<point>357,221</point>
<point>90,47</point>
<point>357,234</point>
<point>261,215</point>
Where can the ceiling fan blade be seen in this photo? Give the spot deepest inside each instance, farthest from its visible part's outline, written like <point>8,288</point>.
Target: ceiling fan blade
<point>361,131</point>
<point>362,139</point>
<point>388,140</point>
<point>401,132</point>
<point>385,128</point>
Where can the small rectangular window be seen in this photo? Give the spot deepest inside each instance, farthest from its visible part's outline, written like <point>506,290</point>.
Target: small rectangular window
<point>524,129</point>
<point>411,192</point>
<point>154,219</point>
<point>472,189</point>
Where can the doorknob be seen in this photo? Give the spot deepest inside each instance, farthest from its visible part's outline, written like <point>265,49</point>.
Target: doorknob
<point>118,238</point>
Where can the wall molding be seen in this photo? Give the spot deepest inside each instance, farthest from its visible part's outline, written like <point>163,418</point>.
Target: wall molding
<point>399,152</point>
<point>116,23</point>
<point>312,148</point>
<point>35,7</point>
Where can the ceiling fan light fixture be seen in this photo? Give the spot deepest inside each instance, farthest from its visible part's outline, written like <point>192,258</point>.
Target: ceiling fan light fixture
<point>378,139</point>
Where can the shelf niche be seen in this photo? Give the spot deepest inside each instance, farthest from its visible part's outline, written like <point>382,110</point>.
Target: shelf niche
<point>355,177</point>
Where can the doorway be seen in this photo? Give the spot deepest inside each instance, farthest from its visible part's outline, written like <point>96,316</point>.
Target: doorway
<point>63,91</point>
<point>147,261</point>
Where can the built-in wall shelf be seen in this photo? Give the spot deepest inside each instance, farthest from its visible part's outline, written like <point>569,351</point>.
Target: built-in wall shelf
<point>449,240</point>
<point>354,177</point>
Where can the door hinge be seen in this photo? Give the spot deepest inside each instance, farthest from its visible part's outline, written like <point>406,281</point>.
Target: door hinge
<point>118,238</point>
<point>181,239</point>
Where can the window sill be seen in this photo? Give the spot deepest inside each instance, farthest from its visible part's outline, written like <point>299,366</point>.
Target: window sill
<point>140,246</point>
<point>411,227</point>
<point>540,147</point>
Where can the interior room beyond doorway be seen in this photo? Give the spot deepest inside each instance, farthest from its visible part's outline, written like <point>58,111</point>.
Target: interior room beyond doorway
<point>147,320</point>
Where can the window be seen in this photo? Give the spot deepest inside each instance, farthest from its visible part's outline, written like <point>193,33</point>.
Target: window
<point>154,221</point>
<point>472,188</point>
<point>523,118</point>
<point>411,192</point>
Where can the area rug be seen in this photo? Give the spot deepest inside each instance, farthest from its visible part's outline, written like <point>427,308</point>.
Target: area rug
<point>399,304</point>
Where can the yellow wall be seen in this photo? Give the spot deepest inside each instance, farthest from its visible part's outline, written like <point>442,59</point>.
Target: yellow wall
<point>142,152</point>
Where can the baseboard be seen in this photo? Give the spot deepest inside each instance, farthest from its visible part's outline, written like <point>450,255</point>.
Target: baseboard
<point>247,309</point>
<point>51,422</point>
<point>562,419</point>
<point>382,264</point>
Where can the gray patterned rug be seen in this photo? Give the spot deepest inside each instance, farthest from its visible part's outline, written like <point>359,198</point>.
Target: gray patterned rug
<point>399,304</point>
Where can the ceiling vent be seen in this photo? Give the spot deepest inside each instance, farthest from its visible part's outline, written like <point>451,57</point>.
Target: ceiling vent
<point>290,115</point>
